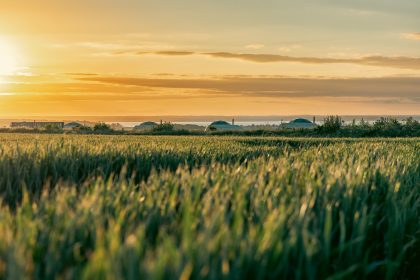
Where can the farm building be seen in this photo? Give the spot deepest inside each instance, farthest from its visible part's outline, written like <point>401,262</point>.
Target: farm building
<point>146,126</point>
<point>35,124</point>
<point>222,126</point>
<point>300,123</point>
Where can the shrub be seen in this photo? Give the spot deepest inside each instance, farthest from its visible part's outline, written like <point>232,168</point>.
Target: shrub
<point>164,127</point>
<point>102,127</point>
<point>53,128</point>
<point>331,124</point>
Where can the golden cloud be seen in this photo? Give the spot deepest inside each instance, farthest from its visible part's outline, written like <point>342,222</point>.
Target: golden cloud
<point>402,62</point>
<point>412,36</point>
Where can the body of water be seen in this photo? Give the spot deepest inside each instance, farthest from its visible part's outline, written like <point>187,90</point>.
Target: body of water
<point>204,124</point>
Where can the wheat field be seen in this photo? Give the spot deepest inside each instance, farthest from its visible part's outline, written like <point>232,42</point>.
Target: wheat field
<point>155,207</point>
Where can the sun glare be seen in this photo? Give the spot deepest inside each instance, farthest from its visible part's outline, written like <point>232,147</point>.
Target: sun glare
<point>8,57</point>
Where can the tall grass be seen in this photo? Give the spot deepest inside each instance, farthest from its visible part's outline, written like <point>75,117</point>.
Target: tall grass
<point>205,207</point>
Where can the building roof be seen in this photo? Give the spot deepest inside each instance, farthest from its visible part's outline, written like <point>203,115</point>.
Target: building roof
<point>35,124</point>
<point>300,123</point>
<point>220,123</point>
<point>300,120</point>
<point>72,124</point>
<point>146,125</point>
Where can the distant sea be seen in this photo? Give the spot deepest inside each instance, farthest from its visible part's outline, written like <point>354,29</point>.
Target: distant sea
<point>204,124</point>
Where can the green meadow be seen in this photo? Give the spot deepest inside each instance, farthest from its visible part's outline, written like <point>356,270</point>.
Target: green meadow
<point>208,207</point>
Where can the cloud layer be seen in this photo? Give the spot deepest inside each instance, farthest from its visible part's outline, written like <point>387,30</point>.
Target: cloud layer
<point>412,36</point>
<point>279,86</point>
<point>172,94</point>
<point>402,62</point>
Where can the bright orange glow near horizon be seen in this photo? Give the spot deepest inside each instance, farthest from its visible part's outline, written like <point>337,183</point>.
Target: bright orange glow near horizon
<point>122,58</point>
<point>8,57</point>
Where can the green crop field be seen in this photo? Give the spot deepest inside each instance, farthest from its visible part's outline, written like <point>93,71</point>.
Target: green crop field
<point>155,207</point>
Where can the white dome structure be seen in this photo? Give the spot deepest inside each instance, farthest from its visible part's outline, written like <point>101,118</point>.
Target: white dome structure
<point>146,126</point>
<point>222,126</point>
<point>300,124</point>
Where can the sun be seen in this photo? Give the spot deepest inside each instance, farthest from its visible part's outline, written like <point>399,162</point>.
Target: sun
<point>8,57</point>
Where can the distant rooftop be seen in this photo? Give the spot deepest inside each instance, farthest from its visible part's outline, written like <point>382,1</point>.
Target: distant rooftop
<point>300,120</point>
<point>220,123</point>
<point>148,123</point>
<point>300,123</point>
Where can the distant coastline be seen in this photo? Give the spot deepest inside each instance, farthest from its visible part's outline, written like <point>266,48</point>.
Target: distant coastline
<point>269,119</point>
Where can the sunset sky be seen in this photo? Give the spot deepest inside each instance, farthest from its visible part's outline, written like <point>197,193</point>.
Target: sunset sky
<point>209,57</point>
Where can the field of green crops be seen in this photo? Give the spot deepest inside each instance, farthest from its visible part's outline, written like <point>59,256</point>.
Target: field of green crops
<point>155,207</point>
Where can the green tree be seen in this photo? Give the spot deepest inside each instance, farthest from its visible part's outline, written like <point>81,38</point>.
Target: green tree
<point>411,127</point>
<point>331,124</point>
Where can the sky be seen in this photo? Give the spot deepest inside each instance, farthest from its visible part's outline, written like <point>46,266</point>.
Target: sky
<point>209,57</point>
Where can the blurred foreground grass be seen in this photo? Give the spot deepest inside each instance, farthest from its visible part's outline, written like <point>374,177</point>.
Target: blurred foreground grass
<point>111,207</point>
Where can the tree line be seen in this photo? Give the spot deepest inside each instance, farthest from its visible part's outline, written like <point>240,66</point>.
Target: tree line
<point>332,126</point>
